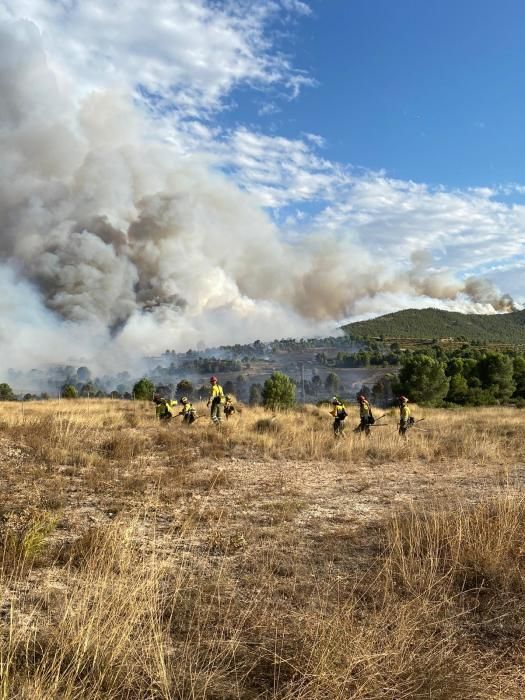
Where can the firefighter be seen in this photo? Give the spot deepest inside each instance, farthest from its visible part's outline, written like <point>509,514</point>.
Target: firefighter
<point>164,408</point>
<point>365,413</point>
<point>188,413</point>
<point>339,413</point>
<point>216,400</point>
<point>405,419</point>
<point>229,408</point>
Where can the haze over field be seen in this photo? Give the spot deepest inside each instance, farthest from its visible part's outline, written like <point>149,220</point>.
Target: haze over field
<point>142,207</point>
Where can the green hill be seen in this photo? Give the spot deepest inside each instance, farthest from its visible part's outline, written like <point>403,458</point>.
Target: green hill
<point>426,324</point>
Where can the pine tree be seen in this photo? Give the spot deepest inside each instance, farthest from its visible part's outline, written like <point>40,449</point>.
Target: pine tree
<point>278,392</point>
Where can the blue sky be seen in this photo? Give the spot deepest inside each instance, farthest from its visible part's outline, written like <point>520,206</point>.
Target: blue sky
<point>429,91</point>
<point>371,147</point>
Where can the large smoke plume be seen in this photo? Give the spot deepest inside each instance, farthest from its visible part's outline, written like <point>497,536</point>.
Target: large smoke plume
<point>104,233</point>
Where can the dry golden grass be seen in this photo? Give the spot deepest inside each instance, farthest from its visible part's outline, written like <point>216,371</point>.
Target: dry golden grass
<point>84,431</point>
<point>261,560</point>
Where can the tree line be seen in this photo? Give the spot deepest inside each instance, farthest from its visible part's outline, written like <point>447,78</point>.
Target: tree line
<point>467,377</point>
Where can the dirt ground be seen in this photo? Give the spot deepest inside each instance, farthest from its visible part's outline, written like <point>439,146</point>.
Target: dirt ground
<point>312,499</point>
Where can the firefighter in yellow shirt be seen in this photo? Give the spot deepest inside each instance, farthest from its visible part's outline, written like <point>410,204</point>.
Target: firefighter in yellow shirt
<point>188,413</point>
<point>405,419</point>
<point>339,413</point>
<point>365,414</point>
<point>216,400</point>
<point>164,409</point>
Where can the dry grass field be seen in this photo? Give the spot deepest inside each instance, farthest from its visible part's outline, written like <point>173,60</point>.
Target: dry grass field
<point>262,560</point>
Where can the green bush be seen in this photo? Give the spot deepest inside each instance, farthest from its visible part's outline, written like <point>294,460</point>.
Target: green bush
<point>6,393</point>
<point>423,379</point>
<point>69,392</point>
<point>144,389</point>
<point>278,392</point>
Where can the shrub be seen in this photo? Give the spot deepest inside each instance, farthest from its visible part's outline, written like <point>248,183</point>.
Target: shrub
<point>69,392</point>
<point>278,392</point>
<point>185,388</point>
<point>6,393</point>
<point>267,425</point>
<point>423,379</point>
<point>144,389</point>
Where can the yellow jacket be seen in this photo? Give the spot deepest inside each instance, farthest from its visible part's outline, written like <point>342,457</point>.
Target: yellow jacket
<point>404,412</point>
<point>364,409</point>
<point>163,408</point>
<point>217,392</point>
<point>336,410</point>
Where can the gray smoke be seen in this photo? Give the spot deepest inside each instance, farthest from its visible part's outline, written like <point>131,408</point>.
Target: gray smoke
<point>104,233</point>
<point>440,285</point>
<point>482,291</point>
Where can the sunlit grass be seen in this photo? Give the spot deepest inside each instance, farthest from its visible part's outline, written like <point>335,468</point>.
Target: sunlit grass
<point>137,563</point>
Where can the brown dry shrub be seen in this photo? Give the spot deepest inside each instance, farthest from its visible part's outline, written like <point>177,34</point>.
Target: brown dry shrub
<point>210,480</point>
<point>463,548</point>
<point>105,639</point>
<point>267,425</point>
<point>132,420</point>
<point>168,439</point>
<point>401,650</point>
<point>24,535</point>
<point>82,549</point>
<point>126,445</point>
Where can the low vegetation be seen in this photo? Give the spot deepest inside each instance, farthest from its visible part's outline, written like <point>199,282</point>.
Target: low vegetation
<point>261,560</point>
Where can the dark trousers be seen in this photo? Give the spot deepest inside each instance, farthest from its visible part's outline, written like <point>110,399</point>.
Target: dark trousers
<point>339,426</point>
<point>364,426</point>
<point>216,411</point>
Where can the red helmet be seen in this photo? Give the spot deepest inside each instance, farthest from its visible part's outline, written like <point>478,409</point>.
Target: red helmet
<point>213,380</point>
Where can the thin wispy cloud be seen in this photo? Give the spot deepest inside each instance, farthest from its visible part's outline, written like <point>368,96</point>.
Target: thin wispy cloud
<point>184,54</point>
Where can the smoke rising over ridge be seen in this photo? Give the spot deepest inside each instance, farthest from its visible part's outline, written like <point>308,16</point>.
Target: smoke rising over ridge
<point>109,237</point>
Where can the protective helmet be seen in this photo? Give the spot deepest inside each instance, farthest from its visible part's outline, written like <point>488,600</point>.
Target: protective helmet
<point>361,397</point>
<point>213,379</point>
<point>335,400</point>
<point>184,399</point>
<point>403,399</point>
<point>156,398</point>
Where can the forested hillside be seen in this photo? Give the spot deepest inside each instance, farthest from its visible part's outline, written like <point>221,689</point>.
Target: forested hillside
<point>434,323</point>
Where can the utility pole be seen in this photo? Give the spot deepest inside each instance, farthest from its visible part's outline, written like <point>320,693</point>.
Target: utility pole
<point>302,382</point>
